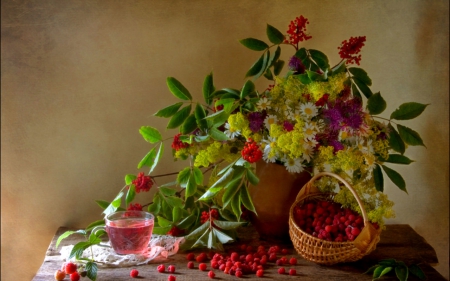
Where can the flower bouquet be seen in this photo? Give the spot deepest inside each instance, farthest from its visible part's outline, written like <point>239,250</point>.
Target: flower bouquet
<point>316,117</point>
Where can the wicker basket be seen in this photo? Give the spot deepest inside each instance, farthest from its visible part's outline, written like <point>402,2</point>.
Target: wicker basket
<point>326,252</point>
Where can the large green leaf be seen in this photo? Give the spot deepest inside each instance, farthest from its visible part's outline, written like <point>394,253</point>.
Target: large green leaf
<point>210,193</point>
<point>163,222</point>
<point>246,199</point>
<point>167,191</point>
<point>320,58</point>
<point>191,186</point>
<point>254,44</point>
<point>401,270</point>
<point>187,222</point>
<point>183,176</point>
<point>252,178</point>
<point>409,110</point>
<point>395,141</point>
<point>197,232</point>
<point>189,125</point>
<point>257,67</point>
<point>274,35</point>
<point>376,104</point>
<point>399,159</point>
<point>378,178</point>
<point>78,249</point>
<point>395,177</point>
<point>361,74</point>
<point>377,271</point>
<point>222,237</point>
<point>177,89</point>
<point>179,117</point>
<point>169,111</point>
<point>363,87</point>
<point>102,203</point>
<point>274,56</point>
<point>158,157</point>
<point>417,271</point>
<point>409,136</point>
<point>247,89</point>
<point>148,160</point>
<point>231,190</point>
<point>131,193</point>
<point>150,134</point>
<point>266,56</point>
<point>227,225</point>
<point>208,88</point>
<point>115,204</point>
<point>173,201</point>
<point>129,179</point>
<point>200,115</point>
<point>67,234</point>
<point>161,230</point>
<point>277,67</point>
<point>236,206</point>
<point>217,135</point>
<point>198,175</point>
<point>91,270</point>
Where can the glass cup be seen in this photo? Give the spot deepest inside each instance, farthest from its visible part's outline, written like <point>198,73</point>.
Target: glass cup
<point>129,232</point>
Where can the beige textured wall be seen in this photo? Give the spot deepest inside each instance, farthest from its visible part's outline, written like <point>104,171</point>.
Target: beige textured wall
<point>79,78</point>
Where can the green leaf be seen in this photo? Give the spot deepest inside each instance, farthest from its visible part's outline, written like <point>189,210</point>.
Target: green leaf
<point>163,222</point>
<point>385,271</point>
<point>94,237</point>
<point>176,214</point>
<point>218,135</point>
<point>256,67</point>
<point>274,57</point>
<point>378,178</point>
<point>376,104</point>
<point>399,159</point>
<point>91,269</point>
<point>230,191</point>
<point>167,191</point>
<point>67,234</point>
<point>363,87</point>
<point>203,240</point>
<point>158,157</point>
<point>102,203</point>
<point>266,56</point>
<point>417,271</point>
<point>78,249</point>
<point>94,224</point>
<point>211,239</point>
<point>409,110</point>
<point>198,175</point>
<point>177,89</point>
<point>179,117</point>
<point>304,78</point>
<point>314,76</point>
<point>131,193</point>
<point>155,207</point>
<point>222,237</point>
<point>174,201</point>
<point>236,206</point>
<point>254,44</point>
<point>395,177</point>
<point>252,178</point>
<point>377,271</point>
<point>115,204</point>
<point>274,35</point>
<point>183,176</point>
<point>361,74</point>
<point>208,88</point>
<point>246,199</point>
<point>268,74</point>
<point>371,269</point>
<point>226,102</point>
<point>200,115</point>
<point>341,67</point>
<point>169,111</point>
<point>161,230</point>
<point>227,225</point>
<point>148,160</point>
<point>197,232</point>
<point>388,262</point>
<point>150,134</point>
<point>189,125</point>
<point>401,270</point>
<point>409,136</point>
<point>247,89</point>
<point>277,67</point>
<point>211,192</point>
<point>129,179</point>
<point>395,141</point>
<point>320,58</point>
<point>355,91</point>
<point>187,222</point>
<point>191,187</point>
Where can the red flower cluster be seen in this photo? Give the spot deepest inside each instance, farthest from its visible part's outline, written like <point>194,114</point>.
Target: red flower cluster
<point>143,183</point>
<point>349,50</point>
<point>297,29</point>
<point>134,207</point>
<point>251,151</point>
<point>323,100</point>
<point>177,144</point>
<point>213,214</point>
<point>175,231</point>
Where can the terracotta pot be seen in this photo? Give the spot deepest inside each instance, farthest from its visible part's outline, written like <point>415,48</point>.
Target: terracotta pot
<point>273,197</point>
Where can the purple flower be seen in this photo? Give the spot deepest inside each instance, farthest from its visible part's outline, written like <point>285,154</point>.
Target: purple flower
<point>334,118</point>
<point>337,145</point>
<point>256,120</point>
<point>288,126</point>
<point>296,65</point>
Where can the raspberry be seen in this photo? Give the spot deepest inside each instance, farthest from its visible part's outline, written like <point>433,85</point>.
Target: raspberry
<point>171,268</point>
<point>75,276</point>
<point>260,273</point>
<point>171,278</point>
<point>293,261</point>
<point>292,271</point>
<point>202,266</point>
<point>190,265</point>
<point>211,274</point>
<point>161,268</point>
<point>281,270</point>
<point>60,275</point>
<point>70,268</point>
<point>238,274</point>
<point>190,257</point>
<point>134,273</point>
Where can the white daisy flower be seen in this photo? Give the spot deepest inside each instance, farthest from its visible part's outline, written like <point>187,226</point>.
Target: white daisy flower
<point>270,142</point>
<point>230,132</point>
<point>308,153</point>
<point>365,148</point>
<point>270,119</point>
<point>293,165</point>
<point>309,131</point>
<point>310,143</point>
<point>308,109</point>
<point>343,135</point>
<point>263,104</point>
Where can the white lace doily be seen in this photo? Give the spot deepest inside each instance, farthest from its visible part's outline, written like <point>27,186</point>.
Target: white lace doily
<point>159,245</point>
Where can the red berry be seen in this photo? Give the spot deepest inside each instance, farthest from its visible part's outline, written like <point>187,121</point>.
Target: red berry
<point>134,273</point>
<point>292,271</point>
<point>171,278</point>
<point>355,231</point>
<point>260,273</point>
<point>211,274</point>
<point>190,265</point>
<point>238,274</point>
<point>75,276</point>
<point>171,268</point>
<point>202,266</point>
<point>190,257</point>
<point>284,251</point>
<point>293,261</point>
<point>161,268</point>
<point>234,256</point>
<point>60,275</point>
<point>281,270</point>
<point>201,257</point>
<point>222,267</point>
<point>70,268</point>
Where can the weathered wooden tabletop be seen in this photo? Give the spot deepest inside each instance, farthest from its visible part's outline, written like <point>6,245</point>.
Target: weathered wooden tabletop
<point>397,241</point>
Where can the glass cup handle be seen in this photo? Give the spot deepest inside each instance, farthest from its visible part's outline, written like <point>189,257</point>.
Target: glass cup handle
<point>100,228</point>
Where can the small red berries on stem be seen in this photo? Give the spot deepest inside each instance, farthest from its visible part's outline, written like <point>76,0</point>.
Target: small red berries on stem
<point>349,49</point>
<point>70,268</point>
<point>75,276</point>
<point>251,151</point>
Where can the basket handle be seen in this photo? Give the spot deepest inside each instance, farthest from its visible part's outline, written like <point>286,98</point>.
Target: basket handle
<point>321,174</point>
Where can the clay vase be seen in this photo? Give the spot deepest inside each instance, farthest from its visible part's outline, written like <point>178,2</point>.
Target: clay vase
<point>273,197</point>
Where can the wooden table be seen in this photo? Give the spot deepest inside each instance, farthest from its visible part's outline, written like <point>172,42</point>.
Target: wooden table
<point>397,241</point>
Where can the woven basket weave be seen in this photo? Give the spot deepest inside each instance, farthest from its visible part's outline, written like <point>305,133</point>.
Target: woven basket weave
<point>326,252</point>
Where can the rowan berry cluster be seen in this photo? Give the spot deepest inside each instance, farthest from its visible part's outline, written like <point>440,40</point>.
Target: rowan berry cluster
<point>177,144</point>
<point>296,31</point>
<point>213,214</point>
<point>251,152</point>
<point>142,182</point>
<point>329,221</point>
<point>349,49</point>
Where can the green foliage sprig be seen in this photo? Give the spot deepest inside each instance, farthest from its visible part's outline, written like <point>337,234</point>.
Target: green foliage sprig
<point>400,268</point>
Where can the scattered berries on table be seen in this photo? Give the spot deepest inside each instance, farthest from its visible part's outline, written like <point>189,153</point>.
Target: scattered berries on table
<point>161,268</point>
<point>171,278</point>
<point>211,274</point>
<point>202,266</point>
<point>134,273</point>
<point>190,257</point>
<point>238,273</point>
<point>293,261</point>
<point>281,270</point>
<point>201,257</point>
<point>60,275</point>
<point>190,265</point>
<point>70,268</point>
<point>292,271</point>
<point>75,276</point>
<point>260,273</point>
<point>171,268</point>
